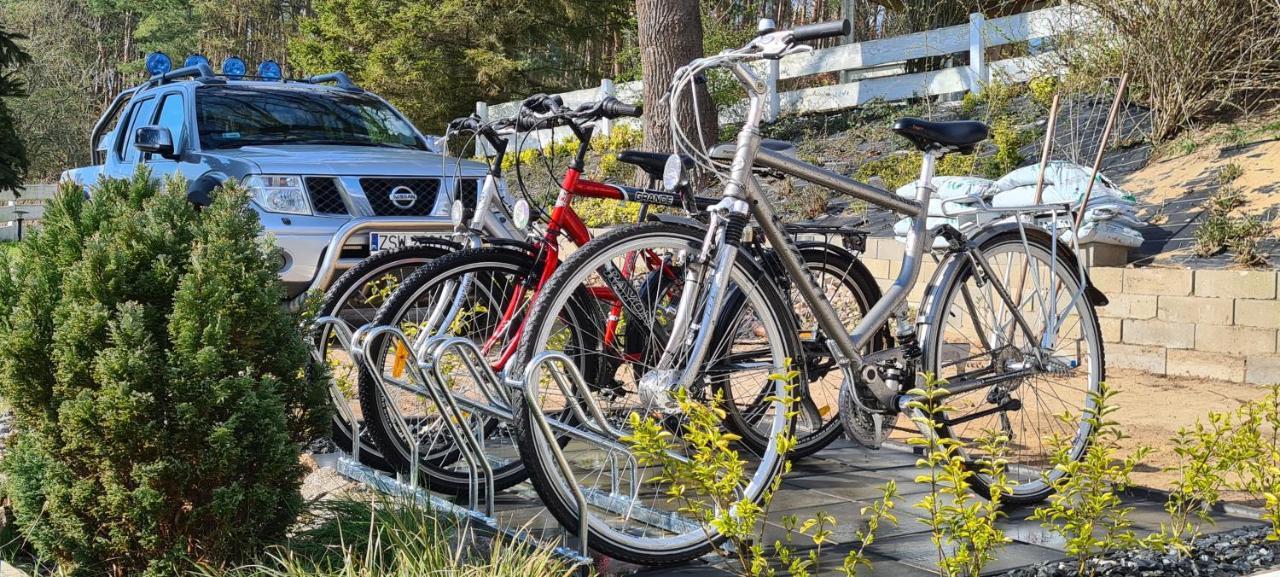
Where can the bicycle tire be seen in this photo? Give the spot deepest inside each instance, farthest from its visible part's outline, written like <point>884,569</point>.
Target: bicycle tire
<point>434,469</point>
<point>942,292</point>
<point>337,296</point>
<point>544,475</point>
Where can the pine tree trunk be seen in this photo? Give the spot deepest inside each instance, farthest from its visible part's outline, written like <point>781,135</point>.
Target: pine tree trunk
<point>670,36</point>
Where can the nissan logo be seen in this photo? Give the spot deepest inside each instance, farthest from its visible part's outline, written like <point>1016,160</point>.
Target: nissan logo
<point>403,197</point>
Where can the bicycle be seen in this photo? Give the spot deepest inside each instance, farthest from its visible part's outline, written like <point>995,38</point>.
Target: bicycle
<point>510,275</point>
<point>967,307</point>
<point>479,212</point>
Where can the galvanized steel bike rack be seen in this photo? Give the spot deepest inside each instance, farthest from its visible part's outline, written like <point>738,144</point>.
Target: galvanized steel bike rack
<point>458,426</point>
<point>428,379</point>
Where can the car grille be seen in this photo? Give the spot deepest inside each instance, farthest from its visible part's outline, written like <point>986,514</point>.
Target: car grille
<point>468,191</point>
<point>326,198</point>
<point>378,191</point>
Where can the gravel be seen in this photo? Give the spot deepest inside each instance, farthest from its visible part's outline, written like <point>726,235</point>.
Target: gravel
<point>1242,551</point>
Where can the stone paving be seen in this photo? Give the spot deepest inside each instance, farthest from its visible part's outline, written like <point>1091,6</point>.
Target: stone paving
<point>843,479</point>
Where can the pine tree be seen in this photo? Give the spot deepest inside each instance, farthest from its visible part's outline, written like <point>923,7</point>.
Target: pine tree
<point>160,391</point>
<point>13,155</point>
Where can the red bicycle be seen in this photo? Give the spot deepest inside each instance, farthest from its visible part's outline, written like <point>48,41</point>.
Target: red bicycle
<point>483,294</point>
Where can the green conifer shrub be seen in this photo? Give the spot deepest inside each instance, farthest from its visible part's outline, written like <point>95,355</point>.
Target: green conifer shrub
<point>159,388</point>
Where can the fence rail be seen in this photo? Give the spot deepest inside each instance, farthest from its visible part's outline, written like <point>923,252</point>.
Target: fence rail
<point>18,213</point>
<point>877,69</point>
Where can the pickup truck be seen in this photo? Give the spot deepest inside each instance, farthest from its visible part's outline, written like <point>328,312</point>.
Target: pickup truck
<point>336,172</point>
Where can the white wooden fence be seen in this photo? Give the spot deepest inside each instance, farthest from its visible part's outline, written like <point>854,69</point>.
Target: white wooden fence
<point>876,69</point>
<point>20,213</point>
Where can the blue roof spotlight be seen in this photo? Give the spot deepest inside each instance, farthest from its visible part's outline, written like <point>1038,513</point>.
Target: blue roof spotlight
<point>196,60</point>
<point>158,63</point>
<point>270,70</point>
<point>233,67</point>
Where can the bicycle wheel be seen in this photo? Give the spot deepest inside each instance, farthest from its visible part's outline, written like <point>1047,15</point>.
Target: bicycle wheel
<point>614,269</point>
<point>480,294</point>
<point>355,298</point>
<point>1042,382</point>
<point>852,291</point>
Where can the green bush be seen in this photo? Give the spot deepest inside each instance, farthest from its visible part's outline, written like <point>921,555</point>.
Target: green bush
<point>159,389</point>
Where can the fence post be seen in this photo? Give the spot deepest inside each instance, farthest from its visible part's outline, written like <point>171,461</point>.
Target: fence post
<point>977,53</point>
<point>607,89</point>
<point>482,147</point>
<point>775,101</point>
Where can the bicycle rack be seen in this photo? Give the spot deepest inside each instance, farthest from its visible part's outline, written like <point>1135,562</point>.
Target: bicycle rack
<point>459,429</point>
<point>426,369</point>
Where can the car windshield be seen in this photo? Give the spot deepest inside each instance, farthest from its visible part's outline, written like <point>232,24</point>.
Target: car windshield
<point>232,116</point>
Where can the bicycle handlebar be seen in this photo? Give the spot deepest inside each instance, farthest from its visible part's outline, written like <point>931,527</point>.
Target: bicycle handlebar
<point>811,32</point>
<point>557,115</point>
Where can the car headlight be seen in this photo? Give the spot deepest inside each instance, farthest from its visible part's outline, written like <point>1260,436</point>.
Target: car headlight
<point>279,193</point>
<point>674,176</point>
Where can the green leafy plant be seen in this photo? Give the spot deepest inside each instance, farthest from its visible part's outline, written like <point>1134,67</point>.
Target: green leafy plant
<point>1206,454</point>
<point>881,511</point>
<point>1229,172</point>
<point>1224,229</point>
<point>1042,90</point>
<point>962,525</point>
<point>706,484</point>
<point>160,390</point>
<point>1257,431</point>
<point>1085,507</point>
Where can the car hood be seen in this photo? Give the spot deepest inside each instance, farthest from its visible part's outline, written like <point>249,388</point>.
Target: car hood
<point>311,159</point>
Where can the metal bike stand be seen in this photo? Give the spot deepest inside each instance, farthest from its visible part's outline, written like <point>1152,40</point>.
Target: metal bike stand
<point>348,465</point>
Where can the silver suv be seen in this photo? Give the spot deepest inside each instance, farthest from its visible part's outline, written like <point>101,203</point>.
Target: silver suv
<point>336,172</point>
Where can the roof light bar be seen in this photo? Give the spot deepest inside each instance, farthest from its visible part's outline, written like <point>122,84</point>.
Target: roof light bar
<point>233,67</point>
<point>270,70</point>
<point>158,63</point>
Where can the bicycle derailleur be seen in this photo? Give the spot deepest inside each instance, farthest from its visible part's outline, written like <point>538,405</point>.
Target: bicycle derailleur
<point>868,406</point>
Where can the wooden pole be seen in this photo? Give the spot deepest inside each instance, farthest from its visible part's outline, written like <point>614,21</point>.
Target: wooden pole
<point>1102,147</point>
<point>1050,132</point>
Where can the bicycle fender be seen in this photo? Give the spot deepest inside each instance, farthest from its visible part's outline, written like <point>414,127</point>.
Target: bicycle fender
<point>678,219</point>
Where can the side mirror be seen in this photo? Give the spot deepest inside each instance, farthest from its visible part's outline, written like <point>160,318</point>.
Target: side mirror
<point>155,140</point>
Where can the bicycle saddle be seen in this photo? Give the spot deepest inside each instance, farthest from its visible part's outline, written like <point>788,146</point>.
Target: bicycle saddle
<point>959,134</point>
<point>652,163</point>
<point>724,151</point>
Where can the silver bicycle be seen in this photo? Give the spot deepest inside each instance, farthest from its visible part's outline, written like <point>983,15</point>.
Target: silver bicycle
<point>1008,320</point>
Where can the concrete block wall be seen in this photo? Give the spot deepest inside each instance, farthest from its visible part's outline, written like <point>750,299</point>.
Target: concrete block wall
<point>1216,324</point>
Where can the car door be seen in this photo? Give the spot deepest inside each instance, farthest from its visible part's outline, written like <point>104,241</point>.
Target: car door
<point>123,159</point>
<point>171,113</point>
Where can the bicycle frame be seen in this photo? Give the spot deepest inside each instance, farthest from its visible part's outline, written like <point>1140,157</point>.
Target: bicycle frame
<point>744,197</point>
<point>562,220</point>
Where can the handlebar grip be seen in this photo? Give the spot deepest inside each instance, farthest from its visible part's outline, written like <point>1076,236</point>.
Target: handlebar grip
<point>613,108</point>
<point>464,124</point>
<point>536,103</point>
<point>525,123</point>
<point>821,30</point>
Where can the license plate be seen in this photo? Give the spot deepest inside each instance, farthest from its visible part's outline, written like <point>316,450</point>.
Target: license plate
<point>380,241</point>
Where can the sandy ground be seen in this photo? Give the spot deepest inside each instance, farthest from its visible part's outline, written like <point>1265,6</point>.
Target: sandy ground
<point>1153,408</point>
<point>1173,178</point>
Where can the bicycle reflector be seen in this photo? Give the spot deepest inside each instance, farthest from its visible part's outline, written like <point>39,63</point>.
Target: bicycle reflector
<point>270,70</point>
<point>233,67</point>
<point>196,60</point>
<point>158,63</point>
